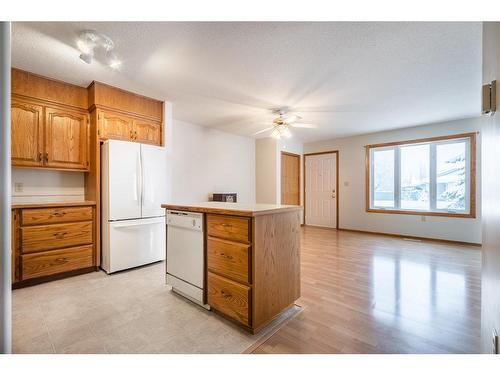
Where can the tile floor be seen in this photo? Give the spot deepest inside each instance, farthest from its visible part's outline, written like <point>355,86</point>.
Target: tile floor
<point>128,312</point>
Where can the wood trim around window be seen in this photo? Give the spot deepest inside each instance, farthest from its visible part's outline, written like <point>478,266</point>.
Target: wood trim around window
<point>337,215</point>
<point>472,168</point>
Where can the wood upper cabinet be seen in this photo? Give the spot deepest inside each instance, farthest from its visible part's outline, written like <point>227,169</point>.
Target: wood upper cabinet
<point>26,134</point>
<point>147,132</point>
<point>46,137</point>
<point>117,126</point>
<point>66,139</point>
<point>114,126</point>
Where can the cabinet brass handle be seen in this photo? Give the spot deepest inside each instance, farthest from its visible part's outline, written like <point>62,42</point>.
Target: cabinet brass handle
<point>46,157</point>
<point>59,214</point>
<point>225,295</point>
<point>60,234</point>
<point>39,156</point>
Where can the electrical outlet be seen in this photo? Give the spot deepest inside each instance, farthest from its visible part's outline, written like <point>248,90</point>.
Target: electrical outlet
<point>18,187</point>
<point>423,218</point>
<point>495,342</point>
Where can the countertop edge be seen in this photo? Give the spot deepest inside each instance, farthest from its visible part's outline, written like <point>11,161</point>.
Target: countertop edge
<point>52,204</point>
<point>233,212</point>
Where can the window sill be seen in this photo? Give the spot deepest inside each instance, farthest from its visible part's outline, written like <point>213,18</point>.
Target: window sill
<point>422,213</point>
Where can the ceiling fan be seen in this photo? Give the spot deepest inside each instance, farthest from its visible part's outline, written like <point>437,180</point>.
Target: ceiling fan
<point>282,124</point>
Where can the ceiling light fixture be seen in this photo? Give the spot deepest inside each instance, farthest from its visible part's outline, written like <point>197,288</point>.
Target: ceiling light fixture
<point>90,40</point>
<point>281,130</point>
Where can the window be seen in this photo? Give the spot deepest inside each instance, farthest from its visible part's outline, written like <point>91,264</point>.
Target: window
<point>433,176</point>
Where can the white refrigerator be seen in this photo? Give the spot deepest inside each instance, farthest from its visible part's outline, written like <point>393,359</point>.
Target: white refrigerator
<point>133,181</point>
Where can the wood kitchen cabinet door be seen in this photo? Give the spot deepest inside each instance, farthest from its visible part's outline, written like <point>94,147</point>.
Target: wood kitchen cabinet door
<point>115,126</point>
<point>26,134</point>
<point>147,132</point>
<point>66,139</point>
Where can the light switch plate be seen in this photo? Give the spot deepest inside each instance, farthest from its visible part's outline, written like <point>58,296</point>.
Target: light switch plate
<point>18,187</point>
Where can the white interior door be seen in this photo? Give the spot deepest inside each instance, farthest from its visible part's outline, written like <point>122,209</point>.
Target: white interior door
<point>154,182</point>
<point>321,194</point>
<point>123,168</point>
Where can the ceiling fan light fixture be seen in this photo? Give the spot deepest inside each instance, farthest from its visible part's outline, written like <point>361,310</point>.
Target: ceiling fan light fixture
<point>276,133</point>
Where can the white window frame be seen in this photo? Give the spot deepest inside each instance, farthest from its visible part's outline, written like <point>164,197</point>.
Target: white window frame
<point>470,147</point>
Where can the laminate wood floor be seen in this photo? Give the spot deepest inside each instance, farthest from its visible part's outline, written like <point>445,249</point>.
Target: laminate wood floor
<point>365,293</point>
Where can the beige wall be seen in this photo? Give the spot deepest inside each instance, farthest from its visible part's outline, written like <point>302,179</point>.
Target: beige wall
<point>352,214</point>
<point>490,293</point>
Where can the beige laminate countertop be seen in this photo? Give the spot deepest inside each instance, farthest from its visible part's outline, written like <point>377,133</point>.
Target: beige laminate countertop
<point>237,209</point>
<point>53,204</point>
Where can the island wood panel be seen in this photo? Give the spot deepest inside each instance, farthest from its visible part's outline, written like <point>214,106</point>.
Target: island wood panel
<point>229,298</point>
<point>53,236</point>
<point>47,89</point>
<point>290,178</point>
<point>56,261</point>
<point>26,134</point>
<point>276,265</point>
<point>38,216</point>
<point>229,227</point>
<point>229,259</point>
<point>66,139</point>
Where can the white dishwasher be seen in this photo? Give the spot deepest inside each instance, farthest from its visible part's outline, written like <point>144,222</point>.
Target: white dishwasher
<point>185,254</point>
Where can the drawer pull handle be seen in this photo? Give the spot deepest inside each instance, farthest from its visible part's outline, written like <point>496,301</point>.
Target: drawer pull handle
<point>59,214</point>
<point>226,256</point>
<point>60,234</point>
<point>61,260</point>
<point>225,295</point>
<point>226,225</point>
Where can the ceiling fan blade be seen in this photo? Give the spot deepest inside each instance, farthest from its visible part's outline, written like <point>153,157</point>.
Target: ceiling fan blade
<point>302,125</point>
<point>291,118</point>
<point>263,130</point>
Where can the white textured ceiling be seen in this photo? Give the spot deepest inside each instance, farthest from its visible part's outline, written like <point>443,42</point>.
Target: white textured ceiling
<point>349,78</point>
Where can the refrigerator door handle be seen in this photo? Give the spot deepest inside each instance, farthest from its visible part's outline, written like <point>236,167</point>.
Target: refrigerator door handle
<point>138,180</point>
<point>143,223</point>
<point>143,181</point>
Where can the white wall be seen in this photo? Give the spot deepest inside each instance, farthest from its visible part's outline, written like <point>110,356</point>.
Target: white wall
<point>203,161</point>
<point>352,214</point>
<point>47,186</point>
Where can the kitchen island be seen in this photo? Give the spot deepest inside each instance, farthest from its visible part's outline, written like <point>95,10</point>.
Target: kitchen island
<point>252,259</point>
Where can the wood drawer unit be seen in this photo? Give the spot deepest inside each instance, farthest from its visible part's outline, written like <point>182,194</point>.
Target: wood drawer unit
<point>55,236</point>
<point>56,261</point>
<point>38,216</point>
<point>230,298</point>
<point>229,259</point>
<point>52,241</point>
<point>229,228</point>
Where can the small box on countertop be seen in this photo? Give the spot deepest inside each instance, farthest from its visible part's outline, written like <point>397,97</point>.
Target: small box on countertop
<point>224,197</point>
